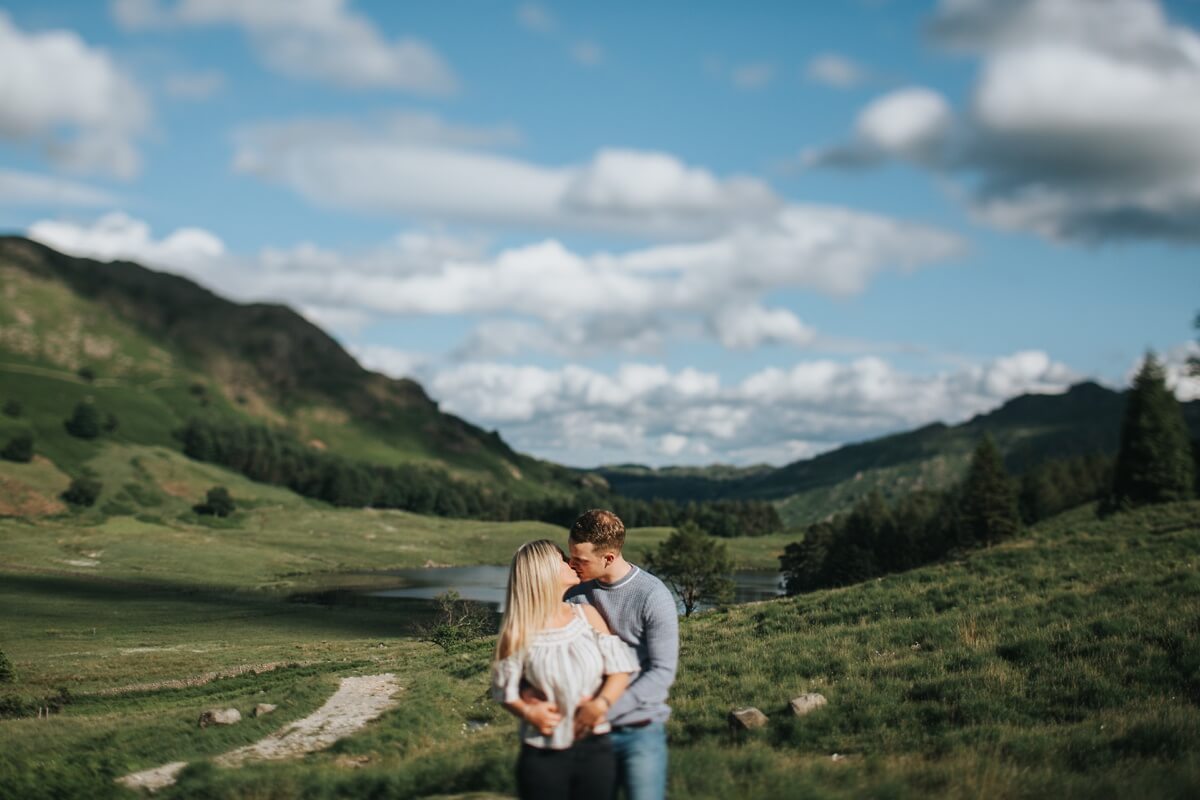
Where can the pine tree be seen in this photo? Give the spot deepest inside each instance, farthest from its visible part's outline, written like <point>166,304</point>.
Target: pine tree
<point>1154,463</point>
<point>989,499</point>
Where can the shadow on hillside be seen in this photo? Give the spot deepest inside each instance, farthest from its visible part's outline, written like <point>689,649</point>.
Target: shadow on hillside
<point>329,612</point>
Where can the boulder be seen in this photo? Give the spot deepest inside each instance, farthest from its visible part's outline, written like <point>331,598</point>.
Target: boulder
<point>807,702</point>
<point>747,718</point>
<point>220,716</point>
<point>264,708</point>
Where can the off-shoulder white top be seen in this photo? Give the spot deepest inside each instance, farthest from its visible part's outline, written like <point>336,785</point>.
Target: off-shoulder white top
<point>567,664</point>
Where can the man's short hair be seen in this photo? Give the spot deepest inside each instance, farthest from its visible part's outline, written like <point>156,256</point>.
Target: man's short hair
<point>602,529</point>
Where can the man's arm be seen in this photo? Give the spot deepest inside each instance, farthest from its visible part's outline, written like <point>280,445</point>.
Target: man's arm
<point>661,636</point>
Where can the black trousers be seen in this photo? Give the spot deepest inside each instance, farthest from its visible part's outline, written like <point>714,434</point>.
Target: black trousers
<point>585,771</point>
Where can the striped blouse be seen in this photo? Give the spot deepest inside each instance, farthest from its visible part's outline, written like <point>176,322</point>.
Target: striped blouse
<point>567,664</point>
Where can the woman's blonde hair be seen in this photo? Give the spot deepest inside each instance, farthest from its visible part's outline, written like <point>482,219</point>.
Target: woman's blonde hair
<point>534,594</point>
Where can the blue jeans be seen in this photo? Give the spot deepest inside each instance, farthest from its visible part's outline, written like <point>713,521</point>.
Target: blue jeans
<point>641,760</point>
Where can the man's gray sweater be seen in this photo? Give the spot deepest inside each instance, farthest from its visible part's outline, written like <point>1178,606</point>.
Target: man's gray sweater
<point>641,610</point>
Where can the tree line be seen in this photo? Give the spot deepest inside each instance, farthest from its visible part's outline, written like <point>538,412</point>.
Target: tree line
<point>1156,463</point>
<point>276,457</point>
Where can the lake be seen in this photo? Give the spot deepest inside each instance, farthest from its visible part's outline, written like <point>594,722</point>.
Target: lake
<point>486,584</point>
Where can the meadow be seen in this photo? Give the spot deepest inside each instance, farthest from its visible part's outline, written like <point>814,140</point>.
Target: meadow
<point>1066,662</point>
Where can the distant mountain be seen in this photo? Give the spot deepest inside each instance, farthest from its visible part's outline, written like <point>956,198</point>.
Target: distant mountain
<point>153,344</point>
<point>1084,420</point>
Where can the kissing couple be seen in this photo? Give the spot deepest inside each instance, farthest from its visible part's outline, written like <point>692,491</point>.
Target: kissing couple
<point>587,653</point>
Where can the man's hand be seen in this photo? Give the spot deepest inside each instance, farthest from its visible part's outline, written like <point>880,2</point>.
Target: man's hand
<point>543,716</point>
<point>591,712</point>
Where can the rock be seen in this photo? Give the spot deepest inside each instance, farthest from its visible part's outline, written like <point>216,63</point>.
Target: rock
<point>264,708</point>
<point>220,716</point>
<point>747,718</point>
<point>807,702</point>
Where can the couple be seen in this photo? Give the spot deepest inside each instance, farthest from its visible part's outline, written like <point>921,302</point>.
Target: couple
<point>587,673</point>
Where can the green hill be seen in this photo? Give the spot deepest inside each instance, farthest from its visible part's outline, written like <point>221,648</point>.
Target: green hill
<point>154,350</point>
<point>1065,663</point>
<point>1084,420</point>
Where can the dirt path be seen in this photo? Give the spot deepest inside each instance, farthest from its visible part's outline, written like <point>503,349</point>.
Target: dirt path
<point>356,702</point>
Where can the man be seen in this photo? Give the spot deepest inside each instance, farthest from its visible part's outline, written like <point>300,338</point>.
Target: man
<point>640,609</point>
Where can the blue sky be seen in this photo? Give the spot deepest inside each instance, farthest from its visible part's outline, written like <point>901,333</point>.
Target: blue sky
<point>664,233</point>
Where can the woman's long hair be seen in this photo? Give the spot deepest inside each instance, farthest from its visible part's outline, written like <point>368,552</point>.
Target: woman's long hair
<point>534,594</point>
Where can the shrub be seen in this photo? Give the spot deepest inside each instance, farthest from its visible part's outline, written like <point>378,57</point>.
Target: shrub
<point>696,566</point>
<point>217,503</point>
<point>84,422</point>
<point>19,449</point>
<point>82,492</point>
<point>458,622</point>
<point>111,423</point>
<point>7,675</point>
<point>13,408</point>
<point>87,373</point>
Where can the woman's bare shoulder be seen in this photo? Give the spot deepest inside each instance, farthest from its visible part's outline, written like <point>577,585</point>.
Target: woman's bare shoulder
<point>595,620</point>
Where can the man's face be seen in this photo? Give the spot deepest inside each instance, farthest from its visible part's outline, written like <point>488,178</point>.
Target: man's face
<point>586,562</point>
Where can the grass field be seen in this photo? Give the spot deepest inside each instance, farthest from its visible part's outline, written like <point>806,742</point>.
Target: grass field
<point>1066,663</point>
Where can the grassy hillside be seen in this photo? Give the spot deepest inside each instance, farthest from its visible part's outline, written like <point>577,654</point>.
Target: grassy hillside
<point>156,349</point>
<point>1064,664</point>
<point>1028,429</point>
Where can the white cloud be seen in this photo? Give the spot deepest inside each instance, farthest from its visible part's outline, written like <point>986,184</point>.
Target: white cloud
<point>438,170</point>
<point>744,327</point>
<point>913,123</point>
<point>58,91</point>
<point>1084,123</point>
<point>752,76</point>
<point>317,39</point>
<point>119,236</point>
<point>31,189</point>
<point>543,296</point>
<point>389,360</point>
<point>644,412</point>
<point>836,71</point>
<point>194,85</point>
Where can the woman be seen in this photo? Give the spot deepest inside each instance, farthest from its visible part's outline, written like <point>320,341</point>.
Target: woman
<point>567,652</point>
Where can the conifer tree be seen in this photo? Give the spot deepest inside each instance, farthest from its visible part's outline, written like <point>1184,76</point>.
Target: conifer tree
<point>1154,463</point>
<point>989,499</point>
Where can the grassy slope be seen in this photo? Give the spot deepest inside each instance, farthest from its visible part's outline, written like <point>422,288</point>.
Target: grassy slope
<point>150,337</point>
<point>1066,663</point>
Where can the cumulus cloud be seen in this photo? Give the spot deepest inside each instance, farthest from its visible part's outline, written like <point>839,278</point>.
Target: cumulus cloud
<point>43,191</point>
<point>913,123</point>
<point>119,236</point>
<point>71,98</point>
<point>543,296</point>
<point>1178,369</point>
<point>318,40</point>
<point>646,412</point>
<point>1083,124</point>
<point>836,71</point>
<point>439,170</point>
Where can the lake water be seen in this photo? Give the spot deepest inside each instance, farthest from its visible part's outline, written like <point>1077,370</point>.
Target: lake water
<point>486,584</point>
